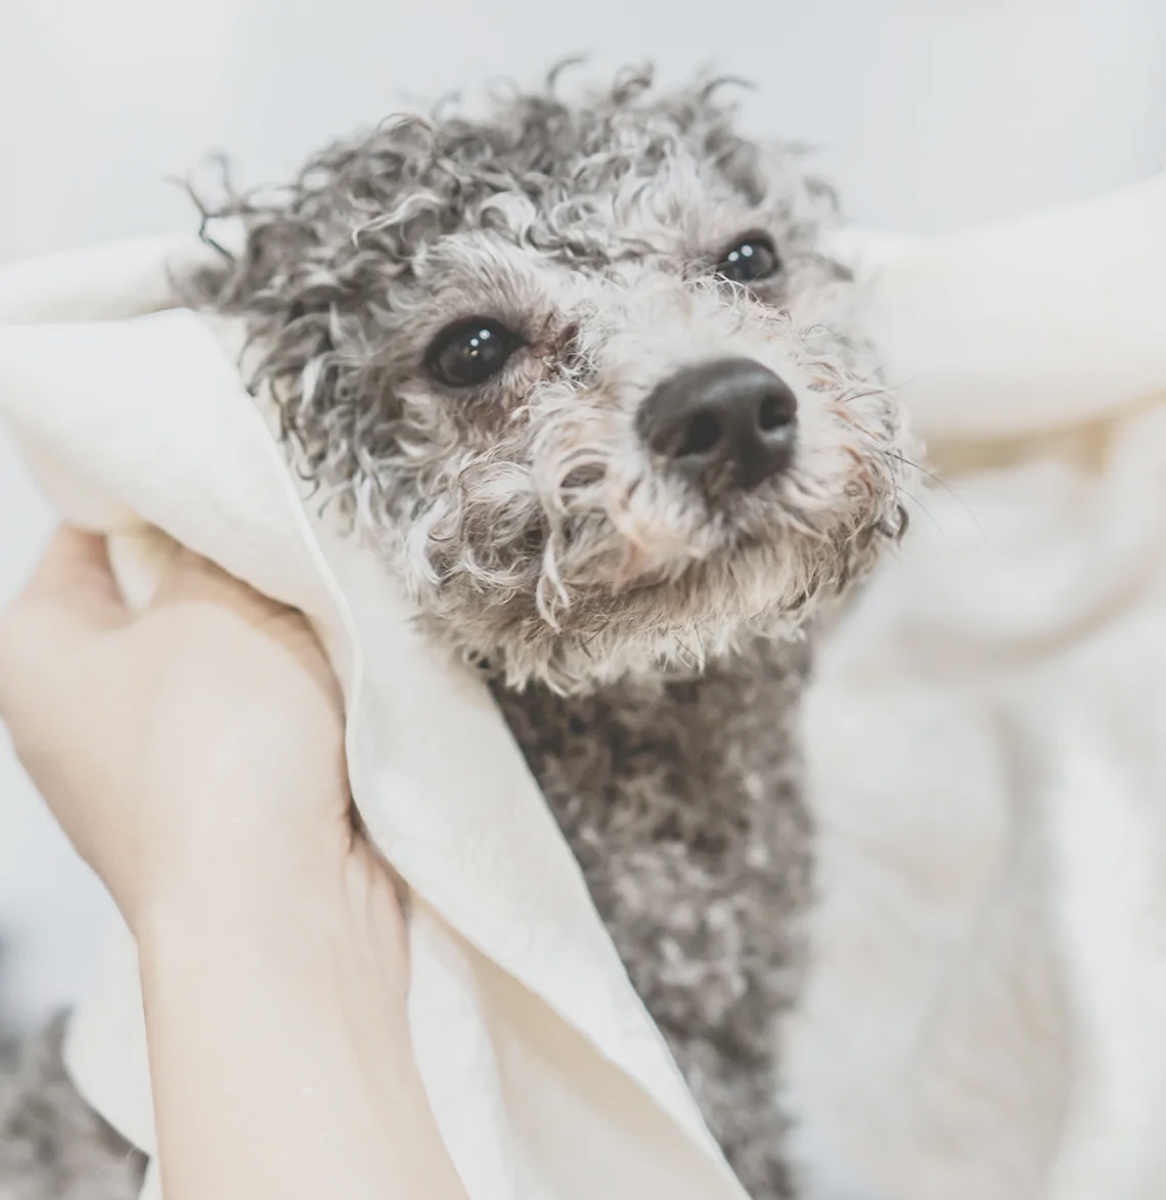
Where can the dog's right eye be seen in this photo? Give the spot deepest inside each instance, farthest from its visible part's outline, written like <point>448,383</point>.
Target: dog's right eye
<point>469,352</point>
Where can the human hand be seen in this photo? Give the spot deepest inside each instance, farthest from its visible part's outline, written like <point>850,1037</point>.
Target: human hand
<point>194,754</point>
<point>197,745</point>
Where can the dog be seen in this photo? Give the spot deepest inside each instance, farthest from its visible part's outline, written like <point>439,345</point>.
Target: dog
<point>582,373</point>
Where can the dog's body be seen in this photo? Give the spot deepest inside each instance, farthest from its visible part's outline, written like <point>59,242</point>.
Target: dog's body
<point>681,802</point>
<point>52,1145</point>
<point>580,373</point>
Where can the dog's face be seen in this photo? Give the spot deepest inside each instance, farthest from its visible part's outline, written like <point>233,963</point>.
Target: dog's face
<point>581,373</point>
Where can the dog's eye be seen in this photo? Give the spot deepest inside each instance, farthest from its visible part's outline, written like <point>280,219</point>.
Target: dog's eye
<point>470,352</point>
<point>751,259</point>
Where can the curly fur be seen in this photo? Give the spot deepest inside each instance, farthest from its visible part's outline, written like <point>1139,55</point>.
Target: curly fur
<point>528,520</point>
<point>52,1145</point>
<point>642,636</point>
<point>681,802</point>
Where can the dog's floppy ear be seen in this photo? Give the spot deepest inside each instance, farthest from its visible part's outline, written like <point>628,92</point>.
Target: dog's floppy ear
<point>315,277</point>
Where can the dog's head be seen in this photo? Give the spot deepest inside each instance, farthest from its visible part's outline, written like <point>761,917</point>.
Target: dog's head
<point>582,373</point>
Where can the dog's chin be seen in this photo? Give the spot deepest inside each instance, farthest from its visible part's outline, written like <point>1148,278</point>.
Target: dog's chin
<point>665,583</point>
<point>681,616</point>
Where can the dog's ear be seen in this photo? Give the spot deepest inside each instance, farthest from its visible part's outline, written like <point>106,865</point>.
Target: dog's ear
<point>315,279</point>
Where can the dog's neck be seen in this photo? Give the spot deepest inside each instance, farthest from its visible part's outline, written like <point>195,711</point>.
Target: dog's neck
<point>681,799</point>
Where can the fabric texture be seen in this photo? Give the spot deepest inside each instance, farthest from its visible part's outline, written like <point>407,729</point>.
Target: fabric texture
<point>983,740</point>
<point>986,740</point>
<point>546,1075</point>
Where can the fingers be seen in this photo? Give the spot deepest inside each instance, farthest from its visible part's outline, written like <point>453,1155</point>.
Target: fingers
<point>71,597</point>
<point>189,577</point>
<point>73,579</point>
<point>74,582</point>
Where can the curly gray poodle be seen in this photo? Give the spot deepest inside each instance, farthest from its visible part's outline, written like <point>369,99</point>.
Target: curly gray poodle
<point>581,372</point>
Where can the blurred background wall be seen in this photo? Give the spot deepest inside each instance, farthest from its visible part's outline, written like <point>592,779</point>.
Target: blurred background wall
<point>930,114</point>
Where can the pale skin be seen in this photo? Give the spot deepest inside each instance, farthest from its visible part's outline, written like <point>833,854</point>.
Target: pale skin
<point>194,755</point>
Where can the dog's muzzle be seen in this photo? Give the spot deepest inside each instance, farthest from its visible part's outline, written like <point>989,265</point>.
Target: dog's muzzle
<point>728,424</point>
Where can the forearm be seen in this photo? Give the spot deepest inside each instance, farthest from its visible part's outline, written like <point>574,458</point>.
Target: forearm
<point>280,1053</point>
<point>194,753</point>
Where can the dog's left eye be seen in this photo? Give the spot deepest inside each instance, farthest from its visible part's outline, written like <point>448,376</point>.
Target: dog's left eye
<point>751,259</point>
<point>469,352</point>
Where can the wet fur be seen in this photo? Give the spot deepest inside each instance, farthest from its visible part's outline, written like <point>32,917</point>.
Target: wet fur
<point>644,641</point>
<point>526,517</point>
<point>52,1145</point>
<point>681,801</point>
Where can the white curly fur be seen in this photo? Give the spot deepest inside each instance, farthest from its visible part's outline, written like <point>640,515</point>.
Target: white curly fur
<point>636,628</point>
<point>527,518</point>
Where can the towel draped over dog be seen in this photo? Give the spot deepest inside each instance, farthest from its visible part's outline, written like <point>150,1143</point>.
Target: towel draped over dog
<point>985,745</point>
<point>546,1075</point>
<point>987,740</point>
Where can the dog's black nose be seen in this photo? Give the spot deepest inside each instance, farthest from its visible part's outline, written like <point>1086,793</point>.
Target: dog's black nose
<point>729,422</point>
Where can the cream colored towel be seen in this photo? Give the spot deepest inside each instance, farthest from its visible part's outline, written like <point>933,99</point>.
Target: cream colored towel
<point>983,1014</point>
<point>546,1074</point>
<point>986,1018</point>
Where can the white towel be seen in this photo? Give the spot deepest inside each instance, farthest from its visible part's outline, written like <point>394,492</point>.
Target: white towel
<point>547,1077</point>
<point>986,1016</point>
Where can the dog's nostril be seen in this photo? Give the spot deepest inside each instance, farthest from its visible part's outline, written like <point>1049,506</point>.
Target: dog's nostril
<point>701,437</point>
<point>773,415</point>
<point>728,423</point>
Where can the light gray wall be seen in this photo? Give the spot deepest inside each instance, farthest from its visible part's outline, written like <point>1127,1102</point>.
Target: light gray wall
<point>932,114</point>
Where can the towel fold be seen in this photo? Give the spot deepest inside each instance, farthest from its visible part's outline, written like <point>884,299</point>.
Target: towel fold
<point>547,1077</point>
<point>986,741</point>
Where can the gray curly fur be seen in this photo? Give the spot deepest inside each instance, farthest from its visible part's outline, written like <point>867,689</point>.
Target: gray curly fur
<point>643,638</point>
<point>680,800</point>
<point>527,518</point>
<point>52,1145</point>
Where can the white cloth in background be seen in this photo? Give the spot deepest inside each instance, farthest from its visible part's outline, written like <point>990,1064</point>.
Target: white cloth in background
<point>988,983</point>
<point>986,1016</point>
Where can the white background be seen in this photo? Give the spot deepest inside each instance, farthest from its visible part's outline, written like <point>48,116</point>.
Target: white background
<point>931,115</point>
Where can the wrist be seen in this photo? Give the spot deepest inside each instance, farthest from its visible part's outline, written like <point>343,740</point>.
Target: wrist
<point>340,920</point>
<point>290,1013</point>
